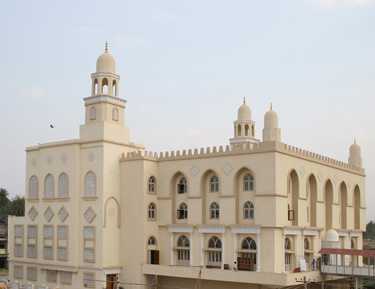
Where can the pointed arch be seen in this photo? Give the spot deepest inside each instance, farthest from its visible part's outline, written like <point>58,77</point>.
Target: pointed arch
<point>312,192</point>
<point>90,184</point>
<point>209,186</point>
<point>63,186</point>
<point>244,187</point>
<point>49,186</point>
<point>33,187</point>
<point>357,207</point>
<point>328,198</point>
<point>343,197</point>
<point>105,88</point>
<point>112,210</point>
<point>293,196</point>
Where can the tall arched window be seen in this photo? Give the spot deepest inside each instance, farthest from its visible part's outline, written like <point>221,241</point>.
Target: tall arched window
<point>63,187</point>
<point>293,195</point>
<point>152,251</point>
<point>183,251</point>
<point>182,212</point>
<point>214,211</point>
<point>49,186</point>
<point>357,208</point>
<point>33,187</point>
<point>214,184</point>
<point>92,113</point>
<point>214,252</point>
<point>343,204</point>
<point>248,211</point>
<point>152,184</point>
<point>247,130</point>
<point>151,212</point>
<point>90,185</point>
<point>239,130</point>
<point>312,192</point>
<point>96,90</point>
<point>308,254</point>
<point>248,183</point>
<point>328,203</point>
<point>182,186</point>
<point>115,114</point>
<point>247,258</point>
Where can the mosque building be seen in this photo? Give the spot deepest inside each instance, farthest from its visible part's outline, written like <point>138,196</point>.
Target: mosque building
<point>102,212</point>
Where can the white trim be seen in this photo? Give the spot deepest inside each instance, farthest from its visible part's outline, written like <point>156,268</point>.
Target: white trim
<point>212,230</point>
<point>311,233</point>
<point>179,229</point>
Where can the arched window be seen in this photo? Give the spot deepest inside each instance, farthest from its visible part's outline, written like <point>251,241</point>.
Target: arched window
<point>152,184</point>
<point>92,114</point>
<point>115,114</point>
<point>214,252</point>
<point>152,212</point>
<point>49,186</point>
<point>289,262</point>
<point>90,185</point>
<point>247,257</point>
<point>151,241</point>
<point>96,90</point>
<point>306,244</point>
<point>248,211</point>
<point>183,251</point>
<point>182,212</point>
<point>357,208</point>
<point>114,88</point>
<point>33,187</point>
<point>293,195</point>
<point>248,183</point>
<point>239,130</point>
<point>105,86</point>
<point>182,186</point>
<point>248,244</point>
<point>63,187</point>
<point>214,211</point>
<point>247,130</point>
<point>214,184</point>
<point>328,191</point>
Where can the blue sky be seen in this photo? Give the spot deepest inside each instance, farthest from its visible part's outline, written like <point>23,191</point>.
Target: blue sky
<point>185,67</point>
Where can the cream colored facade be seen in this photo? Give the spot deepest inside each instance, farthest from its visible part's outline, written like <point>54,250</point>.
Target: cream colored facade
<point>101,210</point>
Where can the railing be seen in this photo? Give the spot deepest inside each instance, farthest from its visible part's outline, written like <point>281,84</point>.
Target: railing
<point>3,252</point>
<point>365,271</point>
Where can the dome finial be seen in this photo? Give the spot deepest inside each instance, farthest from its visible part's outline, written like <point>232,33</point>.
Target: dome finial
<point>355,140</point>
<point>106,47</point>
<point>271,106</point>
<point>244,100</point>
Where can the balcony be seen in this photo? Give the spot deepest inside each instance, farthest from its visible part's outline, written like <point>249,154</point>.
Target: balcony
<point>212,274</point>
<point>3,252</point>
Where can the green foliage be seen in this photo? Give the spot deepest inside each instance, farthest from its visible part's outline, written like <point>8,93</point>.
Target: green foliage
<point>370,231</point>
<point>15,207</point>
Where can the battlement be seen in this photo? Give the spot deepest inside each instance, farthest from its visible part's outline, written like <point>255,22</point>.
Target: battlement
<point>248,148</point>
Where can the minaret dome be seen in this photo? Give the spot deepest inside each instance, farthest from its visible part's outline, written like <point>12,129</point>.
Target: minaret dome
<point>106,62</point>
<point>244,112</point>
<point>355,158</point>
<point>271,130</point>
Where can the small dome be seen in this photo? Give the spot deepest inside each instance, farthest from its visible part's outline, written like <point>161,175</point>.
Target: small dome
<point>244,112</point>
<point>106,62</point>
<point>331,236</point>
<point>271,119</point>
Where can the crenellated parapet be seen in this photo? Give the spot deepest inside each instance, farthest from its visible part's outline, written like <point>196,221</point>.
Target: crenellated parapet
<point>238,149</point>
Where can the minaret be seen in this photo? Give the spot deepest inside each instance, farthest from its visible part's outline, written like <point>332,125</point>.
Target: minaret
<point>244,127</point>
<point>271,131</point>
<point>104,108</point>
<point>355,158</point>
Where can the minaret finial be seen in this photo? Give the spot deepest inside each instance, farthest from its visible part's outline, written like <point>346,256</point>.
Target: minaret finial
<point>271,106</point>
<point>244,100</point>
<point>355,140</point>
<point>106,47</point>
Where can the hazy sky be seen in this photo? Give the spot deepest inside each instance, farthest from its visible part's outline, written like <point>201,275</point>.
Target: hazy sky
<point>185,66</point>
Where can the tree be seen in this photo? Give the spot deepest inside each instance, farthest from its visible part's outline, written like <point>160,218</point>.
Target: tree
<point>4,202</point>
<point>370,231</point>
<point>17,206</point>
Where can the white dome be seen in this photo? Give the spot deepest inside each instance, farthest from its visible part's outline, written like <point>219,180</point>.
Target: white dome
<point>106,63</point>
<point>271,119</point>
<point>244,112</point>
<point>331,236</point>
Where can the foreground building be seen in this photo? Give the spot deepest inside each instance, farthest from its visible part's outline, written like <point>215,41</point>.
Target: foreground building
<point>101,211</point>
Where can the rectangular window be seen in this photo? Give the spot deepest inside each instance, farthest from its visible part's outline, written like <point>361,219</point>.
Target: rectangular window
<point>18,272</point>
<point>89,244</point>
<point>66,278</point>
<point>48,236</point>
<point>62,243</point>
<point>32,274</point>
<point>32,241</point>
<point>51,276</point>
<point>18,240</point>
<point>89,280</point>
